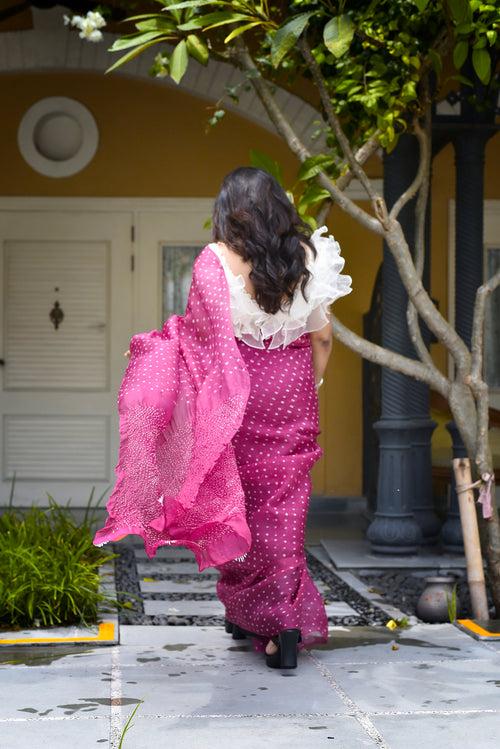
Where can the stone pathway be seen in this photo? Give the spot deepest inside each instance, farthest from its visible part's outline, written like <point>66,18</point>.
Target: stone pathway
<point>430,685</point>
<point>169,590</point>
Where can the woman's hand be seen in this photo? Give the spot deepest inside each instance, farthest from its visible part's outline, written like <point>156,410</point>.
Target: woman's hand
<point>127,354</point>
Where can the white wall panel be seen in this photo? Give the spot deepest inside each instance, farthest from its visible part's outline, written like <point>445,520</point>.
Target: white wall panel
<point>56,447</point>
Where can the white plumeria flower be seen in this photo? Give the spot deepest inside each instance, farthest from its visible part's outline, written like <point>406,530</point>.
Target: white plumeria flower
<point>89,32</point>
<point>96,19</point>
<point>89,25</point>
<point>76,21</point>
<point>161,62</point>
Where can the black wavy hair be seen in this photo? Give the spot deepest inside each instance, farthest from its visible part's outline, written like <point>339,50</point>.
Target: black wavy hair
<point>254,217</point>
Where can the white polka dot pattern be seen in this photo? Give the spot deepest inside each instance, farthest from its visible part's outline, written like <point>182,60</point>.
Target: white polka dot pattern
<point>217,440</point>
<point>276,447</point>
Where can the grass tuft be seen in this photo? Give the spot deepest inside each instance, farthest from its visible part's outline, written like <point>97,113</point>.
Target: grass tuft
<point>49,567</point>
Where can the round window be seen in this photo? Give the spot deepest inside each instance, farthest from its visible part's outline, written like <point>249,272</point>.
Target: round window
<point>58,136</point>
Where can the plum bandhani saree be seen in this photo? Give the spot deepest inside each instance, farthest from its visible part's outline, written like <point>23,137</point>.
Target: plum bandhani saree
<point>217,440</point>
<point>181,401</point>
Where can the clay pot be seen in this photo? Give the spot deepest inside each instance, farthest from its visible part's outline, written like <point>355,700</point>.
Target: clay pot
<point>432,606</point>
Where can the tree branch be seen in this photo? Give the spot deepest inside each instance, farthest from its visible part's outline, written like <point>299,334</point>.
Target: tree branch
<point>261,86</point>
<point>412,190</point>
<point>392,231</point>
<point>446,334</point>
<point>394,361</point>
<point>377,200</point>
<point>362,154</point>
<point>420,219</point>
<point>477,342</point>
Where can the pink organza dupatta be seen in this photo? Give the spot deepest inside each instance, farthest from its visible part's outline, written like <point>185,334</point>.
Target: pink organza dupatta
<point>181,401</point>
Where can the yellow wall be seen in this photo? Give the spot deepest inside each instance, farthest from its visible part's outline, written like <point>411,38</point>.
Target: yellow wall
<point>153,143</point>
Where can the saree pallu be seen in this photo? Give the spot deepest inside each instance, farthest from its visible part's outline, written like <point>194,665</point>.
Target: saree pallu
<point>180,402</point>
<point>275,448</point>
<point>216,445</point>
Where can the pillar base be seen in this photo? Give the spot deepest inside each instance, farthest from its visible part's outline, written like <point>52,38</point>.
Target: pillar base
<point>394,529</point>
<point>394,534</point>
<point>451,534</point>
<point>423,501</point>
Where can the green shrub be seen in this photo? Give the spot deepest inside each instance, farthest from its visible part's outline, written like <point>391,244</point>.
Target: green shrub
<point>49,567</point>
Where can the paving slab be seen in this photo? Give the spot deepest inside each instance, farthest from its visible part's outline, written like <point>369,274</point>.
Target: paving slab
<point>70,656</point>
<point>340,608</point>
<point>470,731</point>
<point>55,692</point>
<point>320,554</point>
<point>166,635</point>
<point>104,633</point>
<point>184,608</point>
<point>197,585</point>
<point>134,634</point>
<point>55,734</point>
<point>192,684</point>
<point>226,733</point>
<point>356,554</point>
<point>172,568</point>
<point>178,585</point>
<point>433,685</point>
<point>166,552</point>
<point>422,642</point>
<point>215,608</point>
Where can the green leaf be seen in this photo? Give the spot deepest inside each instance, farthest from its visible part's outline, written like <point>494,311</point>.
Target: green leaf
<point>191,4</point>
<point>133,40</point>
<point>286,36</point>
<point>313,165</point>
<point>492,36</point>
<point>421,4</point>
<point>338,34</point>
<point>312,195</point>
<point>436,61</point>
<point>179,61</point>
<point>482,64</point>
<point>460,54</point>
<point>139,17</point>
<point>459,10</point>
<point>133,53</point>
<point>211,20</point>
<point>156,24</point>
<point>261,160</point>
<point>197,48</point>
<point>241,30</point>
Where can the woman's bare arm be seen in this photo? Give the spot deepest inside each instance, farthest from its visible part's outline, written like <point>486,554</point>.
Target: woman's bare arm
<point>322,343</point>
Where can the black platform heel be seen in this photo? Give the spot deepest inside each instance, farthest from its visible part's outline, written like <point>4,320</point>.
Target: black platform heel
<point>234,630</point>
<point>286,655</point>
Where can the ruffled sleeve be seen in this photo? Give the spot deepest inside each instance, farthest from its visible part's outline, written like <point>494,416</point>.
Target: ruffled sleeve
<point>306,314</point>
<point>327,283</point>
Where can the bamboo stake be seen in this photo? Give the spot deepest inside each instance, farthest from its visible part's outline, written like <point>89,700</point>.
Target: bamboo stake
<point>472,544</point>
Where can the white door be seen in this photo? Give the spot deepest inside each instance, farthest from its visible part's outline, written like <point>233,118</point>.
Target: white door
<point>67,317</point>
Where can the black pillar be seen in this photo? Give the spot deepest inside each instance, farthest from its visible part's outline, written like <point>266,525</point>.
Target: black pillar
<point>469,147</point>
<point>404,512</point>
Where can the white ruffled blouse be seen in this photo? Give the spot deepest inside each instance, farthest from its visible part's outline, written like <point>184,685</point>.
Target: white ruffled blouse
<point>326,284</point>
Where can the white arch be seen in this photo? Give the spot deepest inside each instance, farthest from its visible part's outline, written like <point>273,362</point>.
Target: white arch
<point>52,46</point>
